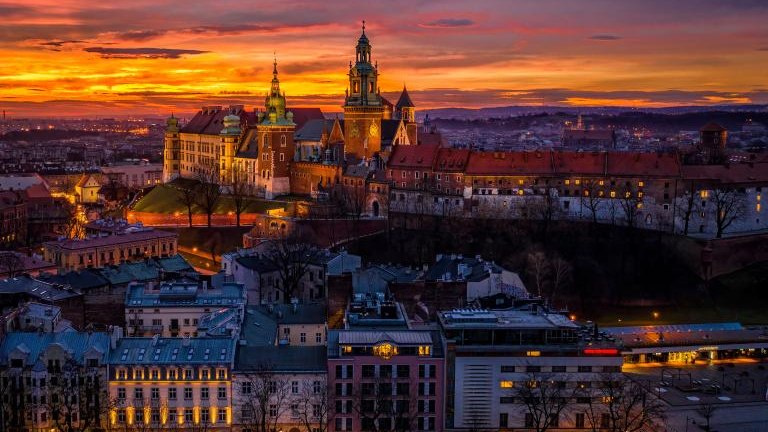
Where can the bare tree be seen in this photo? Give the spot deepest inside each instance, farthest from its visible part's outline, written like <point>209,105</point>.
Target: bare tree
<point>382,409</point>
<point>77,398</point>
<point>687,206</point>
<point>729,206</point>
<point>630,201</point>
<point>313,407</point>
<point>208,191</point>
<point>12,403</point>
<point>561,276</point>
<point>537,269</point>
<point>11,264</point>
<point>707,411</point>
<point>545,397</point>
<point>622,405</point>
<point>187,196</point>
<point>293,258</point>
<point>592,197</point>
<point>240,191</point>
<point>264,398</point>
<point>74,221</point>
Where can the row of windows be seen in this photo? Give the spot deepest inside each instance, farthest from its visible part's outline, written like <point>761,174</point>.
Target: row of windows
<point>246,387</point>
<point>173,393</point>
<point>385,371</point>
<point>181,417</point>
<point>554,421</point>
<point>558,369</point>
<point>171,374</point>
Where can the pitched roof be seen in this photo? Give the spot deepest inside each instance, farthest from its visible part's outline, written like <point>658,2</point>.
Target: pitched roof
<point>36,288</point>
<point>743,173</point>
<point>413,156</point>
<point>405,100</point>
<point>303,115</point>
<point>210,120</point>
<point>153,351</point>
<point>508,163</point>
<point>313,130</point>
<point>128,237</point>
<point>583,163</point>
<point>643,164</point>
<point>389,130</point>
<point>451,159</point>
<point>35,344</point>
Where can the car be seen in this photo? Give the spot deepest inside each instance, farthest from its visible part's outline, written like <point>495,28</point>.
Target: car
<point>664,384</point>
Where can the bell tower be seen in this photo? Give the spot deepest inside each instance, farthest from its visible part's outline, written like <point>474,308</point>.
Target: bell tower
<point>171,150</point>
<point>363,107</point>
<point>275,130</point>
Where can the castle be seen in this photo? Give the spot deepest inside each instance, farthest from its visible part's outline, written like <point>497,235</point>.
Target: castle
<point>280,151</point>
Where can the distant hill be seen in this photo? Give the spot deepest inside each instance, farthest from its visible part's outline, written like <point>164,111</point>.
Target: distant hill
<point>513,111</point>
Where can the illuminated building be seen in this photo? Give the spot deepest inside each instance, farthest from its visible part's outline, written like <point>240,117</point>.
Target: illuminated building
<point>45,372</point>
<point>75,254</point>
<point>13,218</point>
<point>174,308</point>
<point>382,374</point>
<point>172,383</point>
<point>494,352</point>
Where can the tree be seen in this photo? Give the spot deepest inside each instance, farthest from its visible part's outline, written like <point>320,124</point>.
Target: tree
<point>264,398</point>
<point>74,221</point>
<point>187,196</point>
<point>12,403</point>
<point>687,205</point>
<point>292,258</point>
<point>562,276</point>
<point>707,411</point>
<point>77,398</point>
<point>312,405</point>
<point>621,405</point>
<point>631,202</point>
<point>11,264</point>
<point>537,269</point>
<point>545,397</point>
<point>208,191</point>
<point>592,196</point>
<point>381,409</point>
<point>240,191</point>
<point>729,206</point>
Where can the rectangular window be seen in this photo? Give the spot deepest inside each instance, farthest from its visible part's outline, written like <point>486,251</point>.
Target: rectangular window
<point>155,393</point>
<point>222,393</point>
<point>204,393</point>
<point>172,393</point>
<point>187,393</point>
<point>318,337</point>
<point>246,388</point>
<point>295,387</point>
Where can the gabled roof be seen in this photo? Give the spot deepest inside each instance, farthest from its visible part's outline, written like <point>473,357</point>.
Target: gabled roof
<point>210,120</point>
<point>413,156</point>
<point>80,280</point>
<point>257,264</point>
<point>313,130</point>
<point>405,100</point>
<point>35,344</point>
<point>389,130</point>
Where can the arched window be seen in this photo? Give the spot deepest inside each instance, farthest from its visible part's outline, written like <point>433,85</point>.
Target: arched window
<point>283,141</point>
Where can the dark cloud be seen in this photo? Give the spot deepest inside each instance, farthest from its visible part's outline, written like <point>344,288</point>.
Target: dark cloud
<point>605,37</point>
<point>140,35</point>
<point>59,43</point>
<point>152,53</point>
<point>763,49</point>
<point>449,23</point>
<point>232,29</point>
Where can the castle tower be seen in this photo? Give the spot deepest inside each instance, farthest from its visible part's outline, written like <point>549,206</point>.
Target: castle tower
<point>171,149</point>
<point>230,138</point>
<point>363,107</point>
<point>406,111</point>
<point>713,141</point>
<point>275,130</point>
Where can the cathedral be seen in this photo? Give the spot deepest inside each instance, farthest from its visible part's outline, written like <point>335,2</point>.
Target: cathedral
<point>280,150</point>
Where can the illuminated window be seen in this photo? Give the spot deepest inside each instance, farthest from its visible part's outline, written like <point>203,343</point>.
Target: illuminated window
<point>424,350</point>
<point>601,182</point>
<point>639,194</point>
<point>704,194</point>
<point>607,399</point>
<point>613,194</point>
<point>533,353</point>
<point>758,197</point>
<point>577,182</point>
<point>586,193</point>
<point>600,193</point>
<point>520,181</point>
<point>520,192</point>
<point>757,207</point>
<point>507,384</point>
<point>627,194</point>
<point>347,349</point>
<point>567,182</point>
<point>385,350</point>
<point>641,183</point>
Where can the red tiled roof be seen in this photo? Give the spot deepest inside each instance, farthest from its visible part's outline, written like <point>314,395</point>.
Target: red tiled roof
<point>509,163</point>
<point>209,120</point>
<point>733,173</point>
<point>451,159</point>
<point>586,163</point>
<point>413,156</point>
<point>643,164</point>
<point>37,191</point>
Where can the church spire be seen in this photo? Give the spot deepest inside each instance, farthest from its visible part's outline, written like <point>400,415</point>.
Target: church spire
<point>275,81</point>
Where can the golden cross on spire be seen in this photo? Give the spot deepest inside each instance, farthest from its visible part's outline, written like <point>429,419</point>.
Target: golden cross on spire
<point>363,26</point>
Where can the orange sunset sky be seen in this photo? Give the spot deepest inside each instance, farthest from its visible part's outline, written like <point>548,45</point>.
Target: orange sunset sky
<point>104,58</point>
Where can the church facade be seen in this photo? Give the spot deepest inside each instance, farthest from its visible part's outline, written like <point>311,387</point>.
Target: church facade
<point>279,151</point>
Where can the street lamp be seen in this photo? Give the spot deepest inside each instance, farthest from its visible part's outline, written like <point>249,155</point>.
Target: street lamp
<point>655,315</point>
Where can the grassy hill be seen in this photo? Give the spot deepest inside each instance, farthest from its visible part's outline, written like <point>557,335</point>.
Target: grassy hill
<point>164,199</point>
